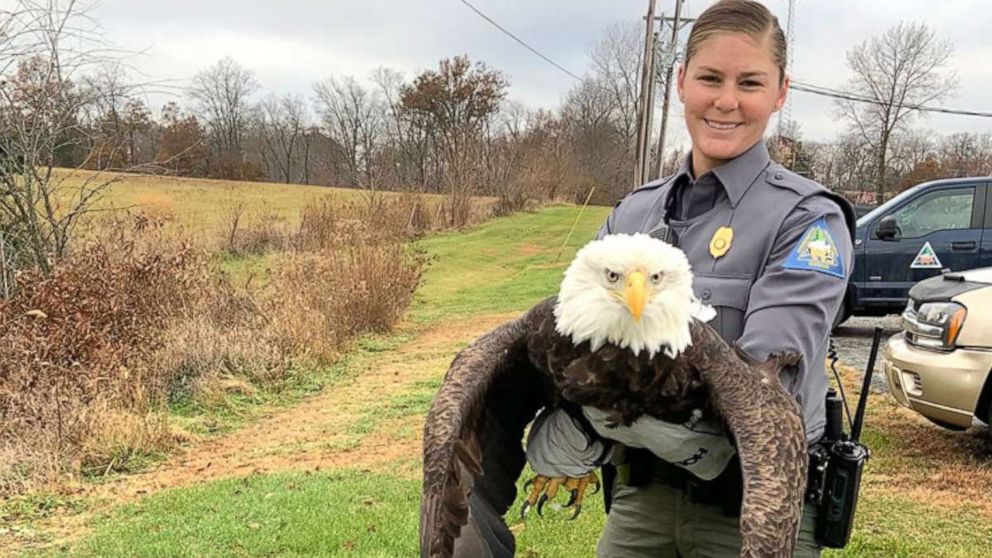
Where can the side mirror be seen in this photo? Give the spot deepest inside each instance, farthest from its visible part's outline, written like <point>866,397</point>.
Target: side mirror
<point>887,228</point>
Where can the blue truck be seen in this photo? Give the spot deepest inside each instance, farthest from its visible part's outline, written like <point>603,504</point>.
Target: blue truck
<point>925,230</point>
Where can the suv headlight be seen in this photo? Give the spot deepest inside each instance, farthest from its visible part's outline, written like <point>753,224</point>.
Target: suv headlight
<point>934,325</point>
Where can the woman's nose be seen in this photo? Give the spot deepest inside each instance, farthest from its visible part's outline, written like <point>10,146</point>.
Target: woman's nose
<point>726,101</point>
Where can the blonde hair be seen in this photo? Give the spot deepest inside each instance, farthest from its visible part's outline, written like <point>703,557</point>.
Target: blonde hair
<point>739,16</point>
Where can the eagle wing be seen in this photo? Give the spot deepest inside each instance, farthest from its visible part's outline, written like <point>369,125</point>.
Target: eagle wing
<point>473,452</point>
<point>771,441</point>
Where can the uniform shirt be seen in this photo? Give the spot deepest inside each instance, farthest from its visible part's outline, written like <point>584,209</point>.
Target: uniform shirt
<point>788,308</point>
<point>765,302</point>
<point>695,197</point>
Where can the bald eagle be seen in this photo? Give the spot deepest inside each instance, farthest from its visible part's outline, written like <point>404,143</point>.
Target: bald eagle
<point>624,336</point>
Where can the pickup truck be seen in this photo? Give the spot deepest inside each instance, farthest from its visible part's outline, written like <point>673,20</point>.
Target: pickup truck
<point>928,229</point>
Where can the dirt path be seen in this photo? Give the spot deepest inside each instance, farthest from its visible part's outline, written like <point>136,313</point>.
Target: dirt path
<point>314,433</point>
<point>317,434</point>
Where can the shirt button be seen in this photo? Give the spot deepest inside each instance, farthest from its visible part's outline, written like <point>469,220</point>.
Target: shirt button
<point>779,176</point>
<point>706,294</point>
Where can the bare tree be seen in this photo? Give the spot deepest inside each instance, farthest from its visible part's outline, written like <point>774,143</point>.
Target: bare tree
<point>282,123</point>
<point>898,71</point>
<point>910,150</point>
<point>46,49</point>
<point>966,154</point>
<point>221,95</point>
<point>117,118</point>
<point>616,67</point>
<point>601,112</point>
<point>353,117</point>
<point>600,149</point>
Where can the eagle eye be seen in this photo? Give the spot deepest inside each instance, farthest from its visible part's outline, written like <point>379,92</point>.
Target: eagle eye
<point>656,277</point>
<point>612,276</point>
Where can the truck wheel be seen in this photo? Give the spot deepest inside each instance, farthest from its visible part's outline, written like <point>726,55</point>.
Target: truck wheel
<point>983,410</point>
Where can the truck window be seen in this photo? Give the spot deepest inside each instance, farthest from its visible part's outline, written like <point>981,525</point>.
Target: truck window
<point>950,209</point>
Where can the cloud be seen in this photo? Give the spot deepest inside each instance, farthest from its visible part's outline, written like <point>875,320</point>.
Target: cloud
<point>292,43</point>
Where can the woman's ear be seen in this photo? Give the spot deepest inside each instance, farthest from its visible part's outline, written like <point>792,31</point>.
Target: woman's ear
<point>783,93</point>
<point>680,83</point>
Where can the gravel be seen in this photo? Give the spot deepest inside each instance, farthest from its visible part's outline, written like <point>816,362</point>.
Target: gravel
<point>852,340</point>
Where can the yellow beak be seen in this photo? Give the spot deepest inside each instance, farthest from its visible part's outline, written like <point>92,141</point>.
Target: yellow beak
<point>634,294</point>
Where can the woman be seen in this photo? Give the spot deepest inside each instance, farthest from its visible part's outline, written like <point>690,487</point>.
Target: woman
<point>771,252</point>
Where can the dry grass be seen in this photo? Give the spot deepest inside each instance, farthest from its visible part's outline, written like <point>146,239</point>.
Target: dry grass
<point>912,457</point>
<point>156,205</point>
<point>316,301</point>
<point>68,346</point>
<point>136,320</point>
<point>199,207</point>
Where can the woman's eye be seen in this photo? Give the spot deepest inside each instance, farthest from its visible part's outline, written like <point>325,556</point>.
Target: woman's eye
<point>709,79</point>
<point>612,276</point>
<point>751,84</point>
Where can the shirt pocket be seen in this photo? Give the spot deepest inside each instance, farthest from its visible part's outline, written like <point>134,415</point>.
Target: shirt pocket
<point>728,295</point>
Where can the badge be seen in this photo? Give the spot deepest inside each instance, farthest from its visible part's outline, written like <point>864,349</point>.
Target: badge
<point>720,242</point>
<point>817,251</point>
<point>926,258</point>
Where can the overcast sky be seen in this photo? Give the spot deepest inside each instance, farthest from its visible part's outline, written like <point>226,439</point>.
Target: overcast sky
<point>289,44</point>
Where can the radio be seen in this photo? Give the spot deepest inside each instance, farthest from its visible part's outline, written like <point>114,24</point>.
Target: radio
<point>837,462</point>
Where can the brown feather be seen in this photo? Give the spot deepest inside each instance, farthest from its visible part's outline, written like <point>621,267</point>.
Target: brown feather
<point>496,384</point>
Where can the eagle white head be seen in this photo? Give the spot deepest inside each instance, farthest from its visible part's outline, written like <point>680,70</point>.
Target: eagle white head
<point>633,291</point>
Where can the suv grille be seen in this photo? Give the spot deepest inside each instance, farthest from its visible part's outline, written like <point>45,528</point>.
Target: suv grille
<point>918,334</point>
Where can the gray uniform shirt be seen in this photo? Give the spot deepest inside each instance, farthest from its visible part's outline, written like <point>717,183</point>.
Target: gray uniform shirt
<point>764,301</point>
<point>768,294</point>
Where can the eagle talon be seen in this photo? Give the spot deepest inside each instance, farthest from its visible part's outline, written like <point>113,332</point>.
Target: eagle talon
<point>540,504</point>
<point>541,490</point>
<point>572,495</point>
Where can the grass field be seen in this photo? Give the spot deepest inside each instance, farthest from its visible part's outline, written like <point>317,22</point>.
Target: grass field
<point>203,205</point>
<point>339,474</point>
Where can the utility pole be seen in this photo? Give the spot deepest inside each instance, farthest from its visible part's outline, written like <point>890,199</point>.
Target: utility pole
<point>673,46</point>
<point>785,114</point>
<point>649,117</point>
<point>643,113</point>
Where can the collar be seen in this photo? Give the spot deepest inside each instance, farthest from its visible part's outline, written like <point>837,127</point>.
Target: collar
<point>736,175</point>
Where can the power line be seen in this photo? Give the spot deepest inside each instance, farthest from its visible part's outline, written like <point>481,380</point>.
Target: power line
<point>797,85</point>
<point>515,38</point>
<point>827,92</point>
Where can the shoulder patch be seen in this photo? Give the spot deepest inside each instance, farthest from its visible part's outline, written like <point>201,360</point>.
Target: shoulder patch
<point>817,251</point>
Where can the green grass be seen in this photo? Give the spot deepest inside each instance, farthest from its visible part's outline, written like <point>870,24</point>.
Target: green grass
<point>340,513</point>
<point>236,410</point>
<point>349,513</point>
<point>417,401</point>
<point>890,527</point>
<point>35,505</point>
<point>504,265</point>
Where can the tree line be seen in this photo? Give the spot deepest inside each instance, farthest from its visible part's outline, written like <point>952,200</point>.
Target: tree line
<point>66,101</point>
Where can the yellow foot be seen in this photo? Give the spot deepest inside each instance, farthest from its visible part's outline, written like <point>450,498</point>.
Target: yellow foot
<point>544,488</point>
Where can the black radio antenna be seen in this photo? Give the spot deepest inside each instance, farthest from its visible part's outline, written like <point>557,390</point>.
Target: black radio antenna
<point>859,415</point>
